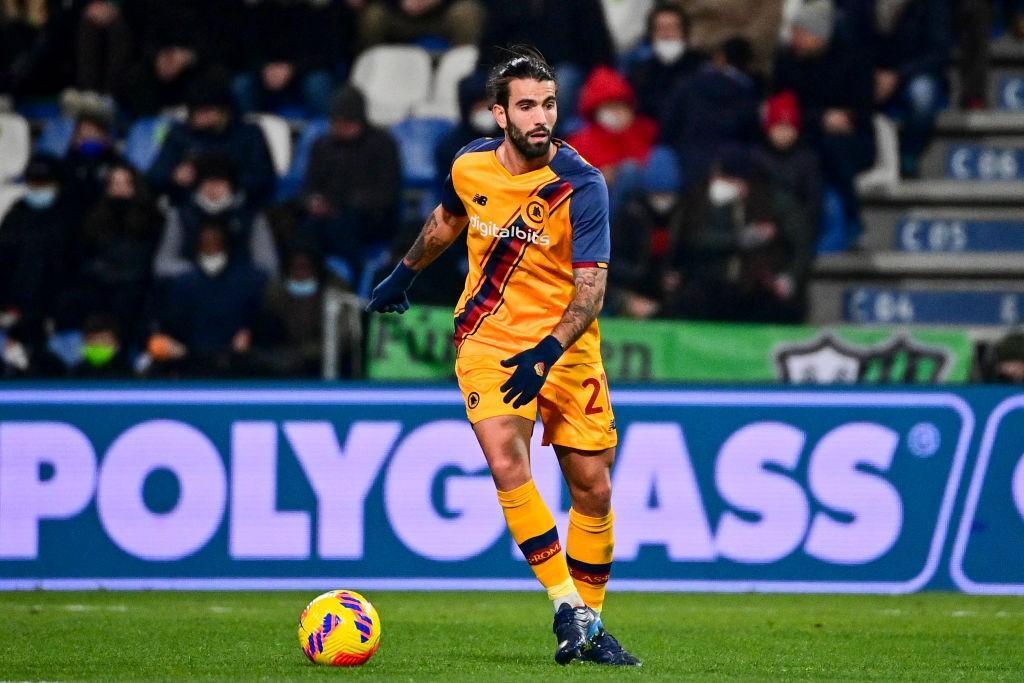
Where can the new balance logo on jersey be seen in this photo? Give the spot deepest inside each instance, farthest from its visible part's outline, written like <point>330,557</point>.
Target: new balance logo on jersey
<point>480,199</point>
<point>492,229</point>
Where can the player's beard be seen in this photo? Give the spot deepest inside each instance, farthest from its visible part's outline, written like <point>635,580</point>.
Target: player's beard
<point>529,150</point>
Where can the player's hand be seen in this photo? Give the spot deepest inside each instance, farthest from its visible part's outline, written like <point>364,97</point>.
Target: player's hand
<point>390,295</point>
<point>531,369</point>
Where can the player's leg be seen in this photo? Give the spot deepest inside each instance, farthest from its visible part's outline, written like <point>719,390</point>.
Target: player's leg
<point>591,540</point>
<point>504,436</point>
<point>505,441</point>
<point>578,421</point>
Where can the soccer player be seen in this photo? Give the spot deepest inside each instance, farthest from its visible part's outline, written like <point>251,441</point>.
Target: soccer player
<point>527,336</point>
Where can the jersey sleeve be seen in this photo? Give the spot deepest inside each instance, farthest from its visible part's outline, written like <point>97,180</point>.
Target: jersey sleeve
<point>450,198</point>
<point>591,233</point>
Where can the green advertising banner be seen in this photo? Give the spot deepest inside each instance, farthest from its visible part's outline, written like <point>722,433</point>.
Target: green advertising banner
<point>418,346</point>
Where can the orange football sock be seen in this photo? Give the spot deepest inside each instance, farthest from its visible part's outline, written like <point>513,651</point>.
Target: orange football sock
<point>589,555</point>
<point>533,528</point>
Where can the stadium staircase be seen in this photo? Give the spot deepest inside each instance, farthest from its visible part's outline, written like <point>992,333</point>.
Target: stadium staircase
<point>947,248</point>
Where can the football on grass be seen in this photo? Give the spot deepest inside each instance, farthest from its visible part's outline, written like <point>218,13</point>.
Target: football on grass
<point>339,628</point>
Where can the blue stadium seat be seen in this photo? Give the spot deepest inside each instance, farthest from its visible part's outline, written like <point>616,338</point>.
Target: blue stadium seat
<point>56,136</point>
<point>661,174</point>
<point>290,184</point>
<point>144,140</point>
<point>417,139</point>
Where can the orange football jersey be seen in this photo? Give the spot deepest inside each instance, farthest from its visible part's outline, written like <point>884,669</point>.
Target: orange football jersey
<point>526,233</point>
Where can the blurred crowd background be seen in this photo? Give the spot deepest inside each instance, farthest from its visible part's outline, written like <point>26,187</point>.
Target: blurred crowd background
<point>182,180</point>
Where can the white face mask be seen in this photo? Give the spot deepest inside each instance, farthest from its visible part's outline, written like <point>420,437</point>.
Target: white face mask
<point>213,264</point>
<point>661,202</point>
<point>214,206</point>
<point>613,119</point>
<point>668,51</point>
<point>482,121</point>
<point>722,192</point>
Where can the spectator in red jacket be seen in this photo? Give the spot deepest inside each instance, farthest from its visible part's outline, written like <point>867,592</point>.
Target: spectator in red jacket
<point>615,137</point>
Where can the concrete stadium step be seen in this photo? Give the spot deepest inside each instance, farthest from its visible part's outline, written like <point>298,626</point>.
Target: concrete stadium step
<point>944,193</point>
<point>901,265</point>
<point>943,230</point>
<point>997,302</point>
<point>1004,85</point>
<point>975,157</point>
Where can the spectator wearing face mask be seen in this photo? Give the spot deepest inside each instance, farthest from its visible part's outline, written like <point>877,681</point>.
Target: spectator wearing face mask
<point>475,121</point>
<point>640,232</point>
<point>104,355</point>
<point>714,107</point>
<point>290,342</point>
<point>667,59</point>
<point>615,139</point>
<point>206,316</point>
<point>34,237</point>
<point>116,246</point>
<point>740,248</point>
<point>88,161</point>
<point>217,198</point>
<point>787,158</point>
<point>213,128</point>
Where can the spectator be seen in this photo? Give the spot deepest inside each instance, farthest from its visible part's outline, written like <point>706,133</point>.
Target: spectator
<point>291,339</point>
<point>831,77</point>
<point>180,41</point>
<point>213,128</point>
<point>458,22</point>
<point>615,138</point>
<point>89,159</point>
<point>475,121</point>
<point>116,247</point>
<point>352,183</point>
<point>104,46</point>
<point>667,60</point>
<point>913,44</point>
<point>573,37</point>
<point>640,232</point>
<point>36,39</point>
<point>206,315</point>
<point>293,54</point>
<point>975,21</point>
<point>1007,360</point>
<point>714,107</point>
<point>741,249</point>
<point>787,159</point>
<point>715,21</point>
<point>217,199</point>
<point>33,247</point>
<point>104,355</point>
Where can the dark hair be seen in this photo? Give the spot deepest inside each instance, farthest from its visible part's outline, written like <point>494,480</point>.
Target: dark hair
<point>521,61</point>
<point>738,53</point>
<point>668,6</point>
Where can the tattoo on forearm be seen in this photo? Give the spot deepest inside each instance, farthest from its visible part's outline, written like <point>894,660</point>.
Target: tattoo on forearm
<point>585,307</point>
<point>428,245</point>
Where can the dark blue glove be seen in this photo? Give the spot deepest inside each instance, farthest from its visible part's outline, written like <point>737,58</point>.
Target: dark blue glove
<point>531,369</point>
<point>389,296</point>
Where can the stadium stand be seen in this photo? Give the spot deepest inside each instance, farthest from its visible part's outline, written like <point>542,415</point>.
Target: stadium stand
<point>940,248</point>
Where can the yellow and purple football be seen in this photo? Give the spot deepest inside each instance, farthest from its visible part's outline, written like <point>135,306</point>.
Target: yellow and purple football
<point>339,628</point>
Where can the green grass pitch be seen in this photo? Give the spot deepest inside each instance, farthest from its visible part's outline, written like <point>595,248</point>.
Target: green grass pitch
<point>506,636</point>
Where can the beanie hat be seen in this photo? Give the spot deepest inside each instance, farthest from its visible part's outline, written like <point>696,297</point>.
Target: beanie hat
<point>817,17</point>
<point>782,108</point>
<point>348,103</point>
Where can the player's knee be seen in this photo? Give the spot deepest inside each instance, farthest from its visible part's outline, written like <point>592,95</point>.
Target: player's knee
<point>593,499</point>
<point>509,471</point>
